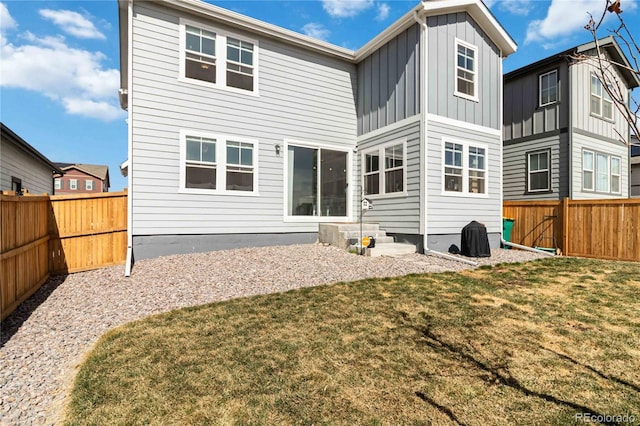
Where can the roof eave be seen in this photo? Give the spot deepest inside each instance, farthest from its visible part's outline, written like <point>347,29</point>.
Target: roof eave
<point>123,23</point>
<point>27,148</point>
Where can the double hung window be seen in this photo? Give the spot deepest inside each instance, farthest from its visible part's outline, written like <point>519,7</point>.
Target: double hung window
<point>466,70</point>
<point>465,168</point>
<point>385,169</point>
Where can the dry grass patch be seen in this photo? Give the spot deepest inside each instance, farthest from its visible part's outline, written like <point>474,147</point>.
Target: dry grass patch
<point>530,343</point>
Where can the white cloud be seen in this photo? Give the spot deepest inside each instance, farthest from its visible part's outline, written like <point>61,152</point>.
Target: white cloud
<point>72,23</point>
<point>345,8</point>
<point>517,7</point>
<point>94,109</point>
<point>316,30</point>
<point>383,11</point>
<point>6,21</point>
<point>564,18</point>
<point>74,77</point>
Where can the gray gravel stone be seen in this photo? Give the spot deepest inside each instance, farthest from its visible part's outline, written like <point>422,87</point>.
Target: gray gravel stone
<point>44,340</point>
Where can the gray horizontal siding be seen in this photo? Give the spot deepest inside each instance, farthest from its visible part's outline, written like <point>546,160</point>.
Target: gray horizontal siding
<point>449,214</point>
<point>514,168</point>
<point>581,142</point>
<point>441,69</point>
<point>389,82</point>
<point>36,177</point>
<point>398,214</point>
<point>302,96</point>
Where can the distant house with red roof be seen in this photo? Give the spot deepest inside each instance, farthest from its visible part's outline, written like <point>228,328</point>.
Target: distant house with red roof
<point>81,179</point>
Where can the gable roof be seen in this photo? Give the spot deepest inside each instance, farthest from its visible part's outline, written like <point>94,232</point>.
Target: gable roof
<point>96,170</point>
<point>476,8</point>
<point>9,135</point>
<point>608,43</point>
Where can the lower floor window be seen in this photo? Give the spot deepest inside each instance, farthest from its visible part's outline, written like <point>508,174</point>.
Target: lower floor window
<point>218,163</point>
<point>465,168</point>
<point>385,169</point>
<point>538,171</point>
<point>601,172</point>
<point>316,182</point>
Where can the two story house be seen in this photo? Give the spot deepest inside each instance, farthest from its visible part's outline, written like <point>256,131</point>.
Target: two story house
<point>82,179</point>
<point>563,136</point>
<point>242,133</point>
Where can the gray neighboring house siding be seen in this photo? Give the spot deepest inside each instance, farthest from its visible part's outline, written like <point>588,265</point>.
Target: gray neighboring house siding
<point>309,93</point>
<point>20,160</point>
<point>566,128</point>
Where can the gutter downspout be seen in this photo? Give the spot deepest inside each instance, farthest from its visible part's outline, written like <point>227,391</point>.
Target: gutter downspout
<point>423,145</point>
<point>129,260</point>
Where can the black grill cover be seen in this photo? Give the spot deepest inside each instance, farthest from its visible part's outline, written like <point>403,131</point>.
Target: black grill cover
<point>474,241</point>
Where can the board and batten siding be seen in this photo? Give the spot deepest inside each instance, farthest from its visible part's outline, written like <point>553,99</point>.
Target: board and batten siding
<point>441,69</point>
<point>581,117</point>
<point>523,115</point>
<point>397,214</point>
<point>36,176</point>
<point>389,82</point>
<point>447,214</point>
<point>581,142</point>
<point>302,96</point>
<point>515,168</point>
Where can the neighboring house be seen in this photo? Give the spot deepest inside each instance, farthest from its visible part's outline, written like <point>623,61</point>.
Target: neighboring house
<point>242,133</point>
<point>82,179</point>
<point>635,167</point>
<point>22,167</point>
<point>562,131</point>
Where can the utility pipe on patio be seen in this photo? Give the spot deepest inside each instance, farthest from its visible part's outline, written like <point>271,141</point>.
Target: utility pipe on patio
<point>521,247</point>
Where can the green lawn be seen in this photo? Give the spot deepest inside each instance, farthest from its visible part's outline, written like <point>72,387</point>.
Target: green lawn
<point>532,343</point>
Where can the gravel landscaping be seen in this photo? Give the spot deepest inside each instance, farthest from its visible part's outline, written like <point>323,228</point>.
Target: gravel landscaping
<point>45,339</point>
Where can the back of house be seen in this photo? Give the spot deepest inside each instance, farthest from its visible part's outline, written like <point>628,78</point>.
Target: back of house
<point>242,133</point>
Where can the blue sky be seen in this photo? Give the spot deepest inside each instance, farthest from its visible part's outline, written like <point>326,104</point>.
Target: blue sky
<point>59,63</point>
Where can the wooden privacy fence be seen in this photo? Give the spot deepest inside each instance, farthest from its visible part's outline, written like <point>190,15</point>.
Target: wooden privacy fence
<point>43,235</point>
<point>604,229</point>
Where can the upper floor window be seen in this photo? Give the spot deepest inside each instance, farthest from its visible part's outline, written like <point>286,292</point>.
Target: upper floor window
<point>215,163</point>
<point>466,70</point>
<point>601,103</point>
<point>88,185</point>
<point>465,168</point>
<point>73,183</point>
<point>538,171</point>
<point>385,169</point>
<point>57,183</point>
<point>200,54</point>
<point>601,172</point>
<point>217,58</point>
<point>239,64</point>
<point>548,83</point>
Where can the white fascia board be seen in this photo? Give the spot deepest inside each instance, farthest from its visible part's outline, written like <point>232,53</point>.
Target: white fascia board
<point>481,14</point>
<point>253,25</point>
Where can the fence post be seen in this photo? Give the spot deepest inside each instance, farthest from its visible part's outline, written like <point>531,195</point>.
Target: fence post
<point>565,226</point>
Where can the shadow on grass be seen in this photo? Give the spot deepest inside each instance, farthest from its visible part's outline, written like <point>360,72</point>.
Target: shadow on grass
<point>444,410</point>
<point>437,344</point>
<point>593,370</point>
<point>11,324</point>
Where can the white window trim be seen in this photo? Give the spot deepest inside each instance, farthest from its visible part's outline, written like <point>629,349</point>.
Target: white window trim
<point>611,174</point>
<point>381,172</point>
<point>88,185</point>
<point>315,219</point>
<point>221,58</point>
<point>601,98</point>
<point>57,183</point>
<point>540,88</point>
<point>73,184</point>
<point>465,169</point>
<point>594,172</point>
<point>475,70</point>
<point>548,170</point>
<point>221,164</point>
